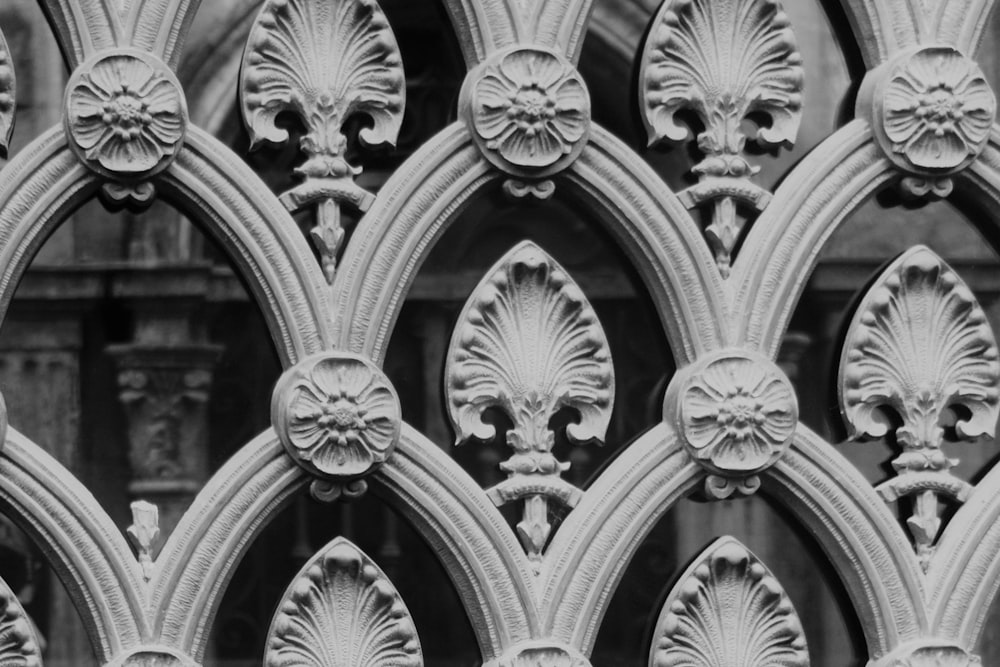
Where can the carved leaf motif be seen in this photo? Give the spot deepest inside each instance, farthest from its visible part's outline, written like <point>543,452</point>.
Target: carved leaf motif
<point>18,644</point>
<point>529,343</point>
<point>918,344</point>
<point>728,609</point>
<point>723,59</point>
<point>325,60</point>
<point>8,99</point>
<point>342,611</point>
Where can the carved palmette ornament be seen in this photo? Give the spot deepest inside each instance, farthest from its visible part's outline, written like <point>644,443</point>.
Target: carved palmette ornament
<point>918,345</point>
<point>18,643</point>
<point>325,61</point>
<point>728,609</point>
<point>735,412</point>
<point>8,96</point>
<point>342,611</point>
<point>932,110</point>
<point>337,415</point>
<point>529,343</point>
<point>724,60</point>
<point>528,110</point>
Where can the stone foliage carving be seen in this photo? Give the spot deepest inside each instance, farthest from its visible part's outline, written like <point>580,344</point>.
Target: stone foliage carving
<point>918,345</point>
<point>144,532</point>
<point>125,114</point>
<point>326,62</point>
<point>736,412</point>
<point>541,652</point>
<point>8,96</point>
<point>18,644</point>
<point>337,414</point>
<point>728,609</point>
<point>154,656</point>
<point>342,611</point>
<point>932,111</point>
<point>930,653</point>
<point>528,110</point>
<point>529,343</point>
<point>726,61</point>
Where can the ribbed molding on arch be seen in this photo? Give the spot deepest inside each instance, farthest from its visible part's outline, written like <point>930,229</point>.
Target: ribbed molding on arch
<point>83,27</point>
<point>418,204</point>
<point>965,573</point>
<point>485,26</point>
<point>859,534</point>
<point>83,545</point>
<point>219,190</point>
<point>202,553</point>
<point>41,185</point>
<point>481,553</point>
<point>445,505</point>
<point>784,243</point>
<point>160,26</point>
<point>596,541</point>
<point>833,501</point>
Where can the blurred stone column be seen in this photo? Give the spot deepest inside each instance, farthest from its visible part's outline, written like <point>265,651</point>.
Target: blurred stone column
<point>164,384</point>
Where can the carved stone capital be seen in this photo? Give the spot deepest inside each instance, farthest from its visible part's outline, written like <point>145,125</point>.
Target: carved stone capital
<point>125,114</point>
<point>548,652</point>
<point>528,110</point>
<point>929,653</point>
<point>164,391</point>
<point>337,414</point>
<point>735,412</point>
<point>931,110</point>
<point>153,656</point>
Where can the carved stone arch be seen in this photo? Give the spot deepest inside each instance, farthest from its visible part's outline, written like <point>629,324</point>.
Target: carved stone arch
<point>86,549</point>
<point>83,27</point>
<point>965,576</point>
<point>820,486</point>
<point>47,183</point>
<point>418,204</point>
<point>782,247</point>
<point>491,572</point>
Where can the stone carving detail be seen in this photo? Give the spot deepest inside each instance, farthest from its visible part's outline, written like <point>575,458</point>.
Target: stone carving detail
<point>728,609</point>
<point>18,643</point>
<point>932,110</point>
<point>541,652</point>
<point>735,412</point>
<point>326,62</point>
<point>727,61</point>
<point>918,346</point>
<point>929,653</point>
<point>154,656</point>
<point>529,343</point>
<point>144,532</point>
<point>339,417</point>
<point>125,115</point>
<point>342,611</point>
<point>8,96</point>
<point>529,112</point>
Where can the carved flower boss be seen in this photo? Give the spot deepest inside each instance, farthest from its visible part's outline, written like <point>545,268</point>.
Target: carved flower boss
<point>337,414</point>
<point>736,413</point>
<point>125,113</point>
<point>530,108</point>
<point>937,110</point>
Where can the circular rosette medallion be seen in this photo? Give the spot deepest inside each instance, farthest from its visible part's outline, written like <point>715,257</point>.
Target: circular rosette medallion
<point>735,412</point>
<point>337,415</point>
<point>528,110</point>
<point>125,114</point>
<point>932,110</point>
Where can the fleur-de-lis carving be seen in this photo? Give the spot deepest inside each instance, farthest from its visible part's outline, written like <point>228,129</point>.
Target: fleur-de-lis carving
<point>728,609</point>
<point>8,99</point>
<point>919,345</point>
<point>725,60</point>
<point>529,343</point>
<point>325,61</point>
<point>18,643</point>
<point>342,611</point>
